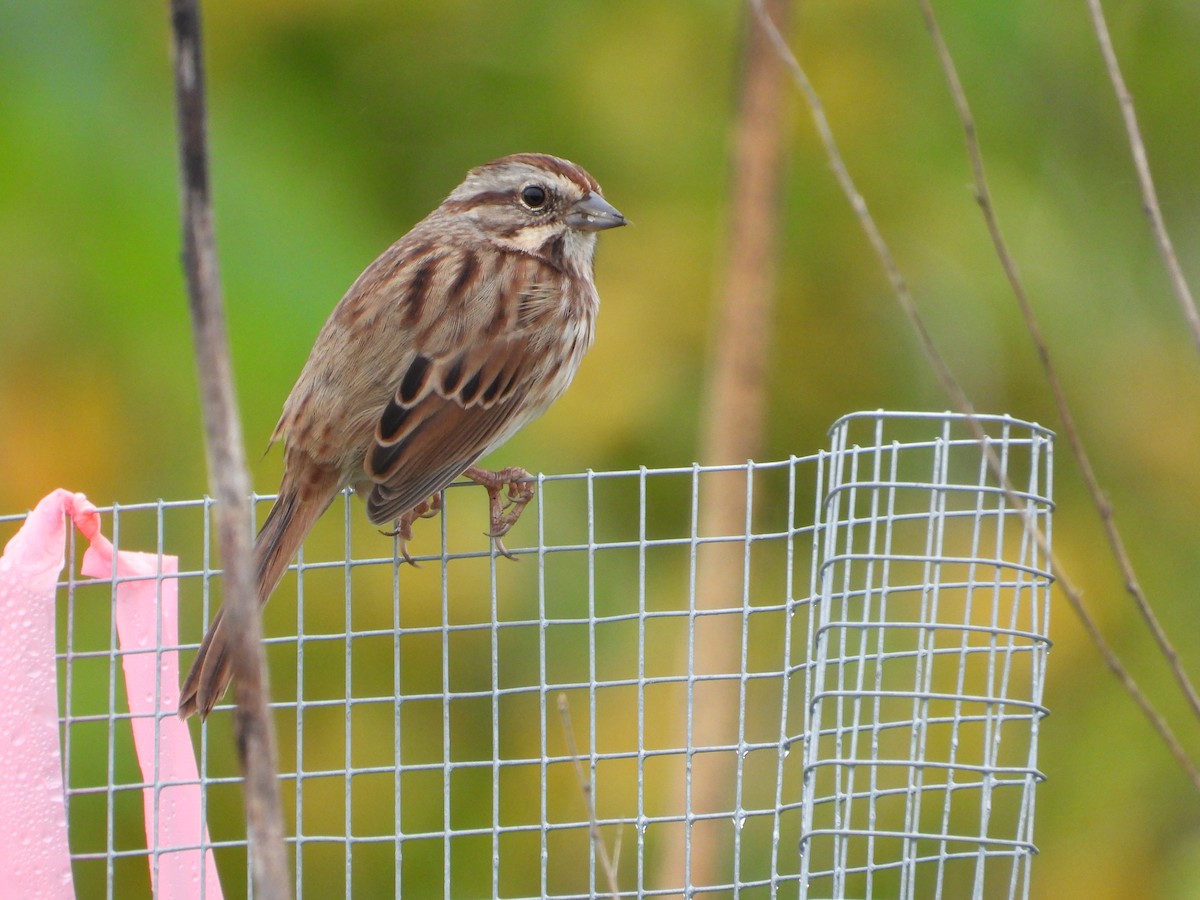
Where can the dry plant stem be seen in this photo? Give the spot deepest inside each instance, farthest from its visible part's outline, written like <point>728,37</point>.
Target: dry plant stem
<point>734,419</point>
<point>958,396</point>
<point>1145,181</point>
<point>607,863</point>
<point>1099,500</point>
<point>226,464</point>
<point>942,372</point>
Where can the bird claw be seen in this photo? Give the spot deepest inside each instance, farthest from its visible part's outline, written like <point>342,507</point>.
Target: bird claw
<point>509,492</point>
<point>403,531</point>
<point>498,543</point>
<point>403,534</point>
<point>514,483</point>
<point>402,547</point>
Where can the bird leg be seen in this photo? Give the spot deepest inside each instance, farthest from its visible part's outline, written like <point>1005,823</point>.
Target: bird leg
<point>426,509</point>
<point>517,485</point>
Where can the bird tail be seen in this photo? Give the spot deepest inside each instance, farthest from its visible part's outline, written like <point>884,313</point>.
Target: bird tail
<point>287,524</point>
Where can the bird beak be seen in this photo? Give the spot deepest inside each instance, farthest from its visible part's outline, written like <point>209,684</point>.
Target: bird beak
<point>594,213</point>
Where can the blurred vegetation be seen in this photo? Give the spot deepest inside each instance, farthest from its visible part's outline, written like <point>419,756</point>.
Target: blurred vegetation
<point>335,126</point>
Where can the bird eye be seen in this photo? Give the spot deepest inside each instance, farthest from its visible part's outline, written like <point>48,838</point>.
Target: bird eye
<point>533,196</point>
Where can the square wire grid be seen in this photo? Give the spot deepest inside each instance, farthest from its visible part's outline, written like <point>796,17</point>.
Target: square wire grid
<point>928,656</point>
<point>897,640</point>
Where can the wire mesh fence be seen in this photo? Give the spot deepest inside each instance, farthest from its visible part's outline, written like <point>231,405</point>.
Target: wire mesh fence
<point>929,644</point>
<point>891,637</point>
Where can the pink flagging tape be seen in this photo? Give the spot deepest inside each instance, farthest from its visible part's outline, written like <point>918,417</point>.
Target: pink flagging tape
<point>171,802</point>
<point>147,619</point>
<point>35,860</point>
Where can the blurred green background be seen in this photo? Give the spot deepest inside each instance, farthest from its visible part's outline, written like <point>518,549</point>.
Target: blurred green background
<point>336,125</point>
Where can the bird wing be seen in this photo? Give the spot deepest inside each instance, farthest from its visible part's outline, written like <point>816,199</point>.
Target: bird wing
<point>486,352</point>
<point>434,357</point>
<point>447,413</point>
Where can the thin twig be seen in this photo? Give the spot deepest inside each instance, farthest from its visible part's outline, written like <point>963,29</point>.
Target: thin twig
<point>1099,499</point>
<point>958,396</point>
<point>608,864</point>
<point>1141,165</point>
<point>942,371</point>
<point>226,464</point>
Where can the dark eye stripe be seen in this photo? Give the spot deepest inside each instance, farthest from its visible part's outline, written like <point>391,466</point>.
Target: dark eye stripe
<point>483,198</point>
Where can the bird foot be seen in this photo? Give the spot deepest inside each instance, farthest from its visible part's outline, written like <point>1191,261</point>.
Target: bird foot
<point>509,492</point>
<point>403,531</point>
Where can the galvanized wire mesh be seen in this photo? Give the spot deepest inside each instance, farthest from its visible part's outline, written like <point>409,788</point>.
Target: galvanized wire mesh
<point>928,653</point>
<point>891,644</point>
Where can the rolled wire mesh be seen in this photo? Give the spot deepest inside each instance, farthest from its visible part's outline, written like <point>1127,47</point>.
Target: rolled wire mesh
<point>422,748</point>
<point>928,653</point>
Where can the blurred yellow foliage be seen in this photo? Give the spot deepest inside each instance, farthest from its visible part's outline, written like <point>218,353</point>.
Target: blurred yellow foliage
<point>335,126</point>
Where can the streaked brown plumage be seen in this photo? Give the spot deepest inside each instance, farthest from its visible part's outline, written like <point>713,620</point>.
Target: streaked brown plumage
<point>459,334</point>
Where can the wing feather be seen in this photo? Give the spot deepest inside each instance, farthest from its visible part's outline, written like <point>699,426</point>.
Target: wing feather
<point>432,456</point>
<point>451,407</point>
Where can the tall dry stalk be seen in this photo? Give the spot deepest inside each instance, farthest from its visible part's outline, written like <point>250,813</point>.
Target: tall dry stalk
<point>733,429</point>
<point>228,476</point>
